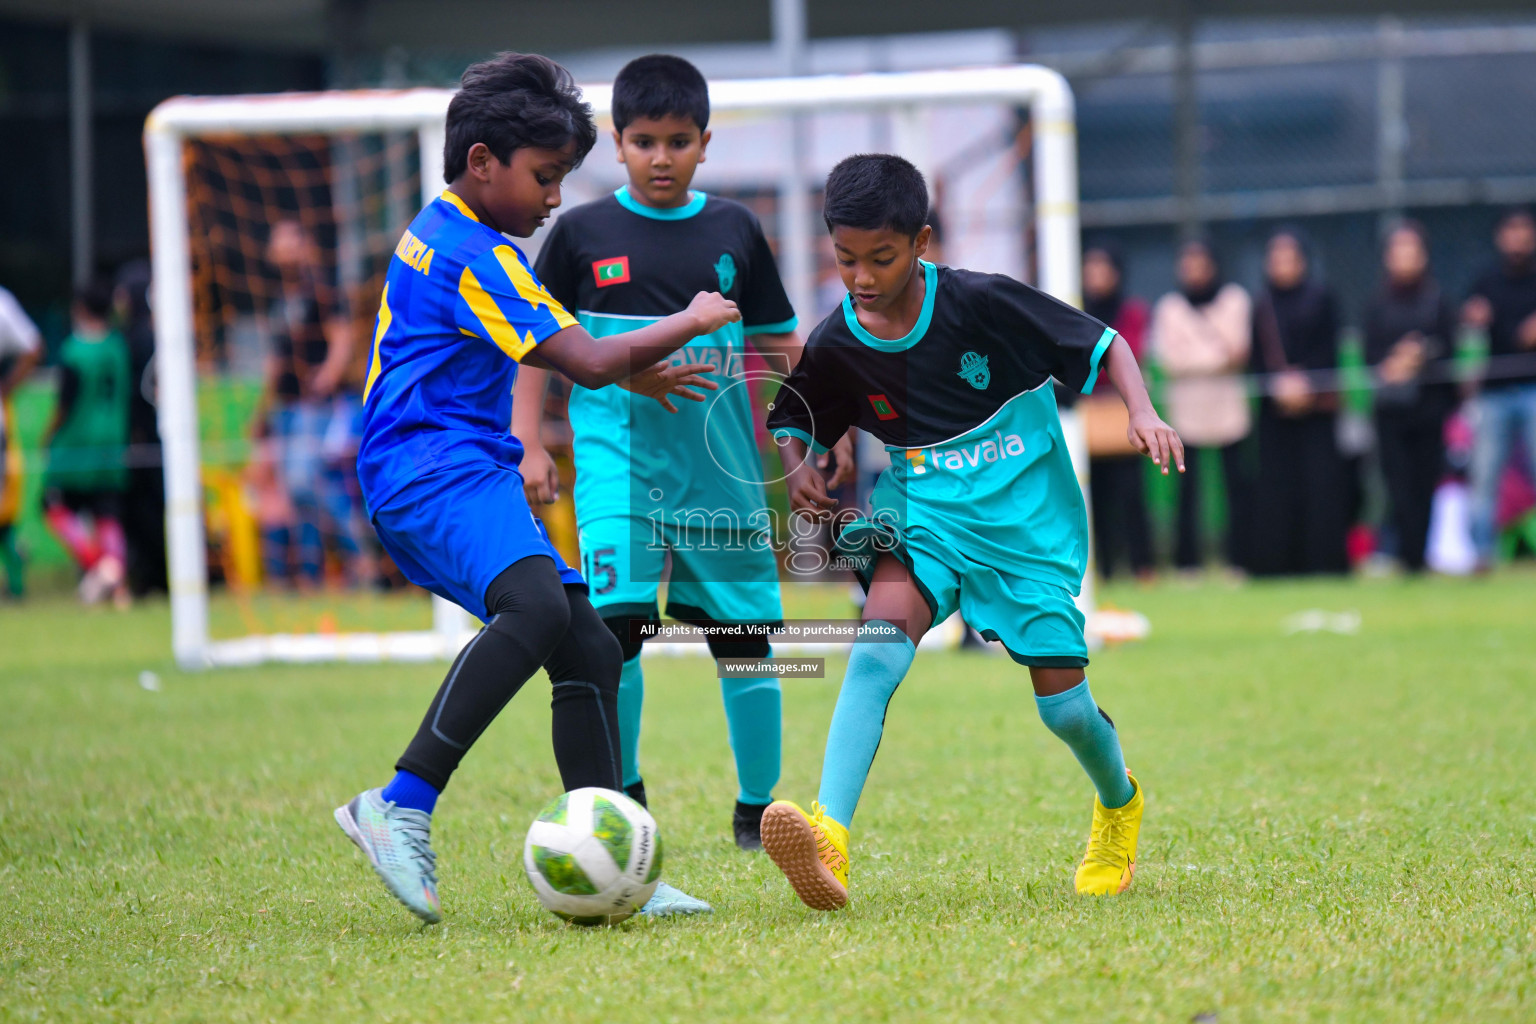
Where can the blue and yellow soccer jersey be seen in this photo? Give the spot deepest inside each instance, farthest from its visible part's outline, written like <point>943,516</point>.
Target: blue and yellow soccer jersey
<point>461,307</point>
<point>621,265</point>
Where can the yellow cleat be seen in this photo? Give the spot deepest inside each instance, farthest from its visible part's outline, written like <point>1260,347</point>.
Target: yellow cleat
<point>1110,862</point>
<point>811,850</point>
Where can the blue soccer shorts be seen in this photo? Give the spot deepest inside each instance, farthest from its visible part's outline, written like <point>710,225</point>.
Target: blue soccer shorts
<point>454,530</point>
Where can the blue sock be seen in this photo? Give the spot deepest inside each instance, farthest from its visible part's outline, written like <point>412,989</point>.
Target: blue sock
<point>631,699</point>
<point>754,717</point>
<point>1074,717</point>
<point>875,669</point>
<point>410,790</point>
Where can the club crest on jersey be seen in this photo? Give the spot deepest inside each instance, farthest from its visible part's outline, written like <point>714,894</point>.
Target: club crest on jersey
<point>614,271</point>
<point>974,371</point>
<point>725,270</point>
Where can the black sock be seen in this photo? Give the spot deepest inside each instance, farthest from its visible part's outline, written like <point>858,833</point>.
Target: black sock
<point>530,615</point>
<point>584,670</point>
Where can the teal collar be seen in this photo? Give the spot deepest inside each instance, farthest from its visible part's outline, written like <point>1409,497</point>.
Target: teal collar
<point>694,204</point>
<point>915,335</point>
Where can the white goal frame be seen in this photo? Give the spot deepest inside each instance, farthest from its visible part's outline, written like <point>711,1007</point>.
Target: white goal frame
<point>1055,208</point>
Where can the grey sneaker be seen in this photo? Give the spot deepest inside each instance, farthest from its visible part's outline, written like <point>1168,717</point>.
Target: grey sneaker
<point>398,842</point>
<point>667,901</point>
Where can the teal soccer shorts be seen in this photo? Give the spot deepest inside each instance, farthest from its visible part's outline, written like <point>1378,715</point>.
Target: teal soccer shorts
<point>727,580</point>
<point>1038,623</point>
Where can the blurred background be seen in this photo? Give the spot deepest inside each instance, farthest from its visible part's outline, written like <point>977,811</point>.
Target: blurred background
<point>1218,122</point>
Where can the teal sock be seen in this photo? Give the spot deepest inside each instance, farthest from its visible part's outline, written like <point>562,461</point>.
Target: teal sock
<point>754,717</point>
<point>875,669</point>
<point>1074,717</point>
<point>631,698</point>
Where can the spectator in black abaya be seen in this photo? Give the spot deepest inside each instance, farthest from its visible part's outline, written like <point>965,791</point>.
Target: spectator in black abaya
<point>1410,332</point>
<point>1119,502</point>
<point>144,501</point>
<point>1303,490</point>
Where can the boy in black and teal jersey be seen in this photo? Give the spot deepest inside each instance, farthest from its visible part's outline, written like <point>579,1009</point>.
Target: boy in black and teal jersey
<point>980,510</point>
<point>618,263</point>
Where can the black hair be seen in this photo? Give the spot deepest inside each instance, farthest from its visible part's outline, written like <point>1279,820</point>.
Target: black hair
<point>659,85</point>
<point>1297,236</point>
<point>1110,250</point>
<point>516,101</point>
<point>1408,224</point>
<point>95,297</point>
<point>1205,244</point>
<point>876,191</point>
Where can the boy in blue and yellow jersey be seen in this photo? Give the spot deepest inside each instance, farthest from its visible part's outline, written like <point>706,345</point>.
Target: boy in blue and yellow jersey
<point>648,485</point>
<point>461,309</point>
<point>980,510</point>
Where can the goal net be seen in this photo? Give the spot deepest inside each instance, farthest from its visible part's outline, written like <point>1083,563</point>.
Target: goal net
<point>274,219</point>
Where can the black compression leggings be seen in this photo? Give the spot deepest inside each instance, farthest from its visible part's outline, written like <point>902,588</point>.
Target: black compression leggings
<point>535,621</point>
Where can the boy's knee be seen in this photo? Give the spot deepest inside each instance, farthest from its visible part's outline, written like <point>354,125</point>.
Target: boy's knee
<point>590,652</point>
<point>618,627</point>
<point>603,660</point>
<point>754,648</point>
<point>527,603</point>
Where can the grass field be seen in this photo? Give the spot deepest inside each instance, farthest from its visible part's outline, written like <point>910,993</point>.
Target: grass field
<point>1339,828</point>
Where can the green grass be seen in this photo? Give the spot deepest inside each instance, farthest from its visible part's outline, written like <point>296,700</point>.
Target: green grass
<point>1339,828</point>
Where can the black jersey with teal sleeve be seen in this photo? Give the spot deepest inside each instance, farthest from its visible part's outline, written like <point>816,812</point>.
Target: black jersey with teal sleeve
<point>963,405</point>
<point>619,265</point>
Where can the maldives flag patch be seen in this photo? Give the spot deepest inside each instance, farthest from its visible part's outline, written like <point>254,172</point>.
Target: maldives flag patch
<point>614,271</point>
<point>882,406</point>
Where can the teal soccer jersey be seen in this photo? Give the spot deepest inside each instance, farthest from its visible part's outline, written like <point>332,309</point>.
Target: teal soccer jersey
<point>460,309</point>
<point>621,265</point>
<point>980,474</point>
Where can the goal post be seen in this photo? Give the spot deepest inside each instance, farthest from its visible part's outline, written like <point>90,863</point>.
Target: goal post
<point>1054,210</point>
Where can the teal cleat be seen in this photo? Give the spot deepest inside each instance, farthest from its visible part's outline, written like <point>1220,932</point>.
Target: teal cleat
<point>668,901</point>
<point>398,842</point>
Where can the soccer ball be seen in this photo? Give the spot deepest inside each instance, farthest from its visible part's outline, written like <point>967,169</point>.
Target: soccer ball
<point>593,856</point>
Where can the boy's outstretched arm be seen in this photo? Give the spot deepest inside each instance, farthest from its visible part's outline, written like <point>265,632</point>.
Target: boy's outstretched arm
<point>1147,431</point>
<point>541,479</point>
<point>593,364</point>
<point>807,487</point>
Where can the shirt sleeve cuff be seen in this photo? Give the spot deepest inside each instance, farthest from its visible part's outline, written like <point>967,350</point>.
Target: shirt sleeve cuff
<point>780,433</point>
<point>782,327</point>
<point>1098,354</point>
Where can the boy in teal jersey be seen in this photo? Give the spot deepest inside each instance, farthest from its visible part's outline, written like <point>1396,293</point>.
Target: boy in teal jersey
<point>643,476</point>
<point>980,510</point>
<point>461,309</point>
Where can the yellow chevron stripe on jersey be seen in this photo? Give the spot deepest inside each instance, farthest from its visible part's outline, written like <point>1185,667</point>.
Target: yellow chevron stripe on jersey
<point>500,333</point>
<point>460,205</point>
<point>374,365</point>
<point>532,290</point>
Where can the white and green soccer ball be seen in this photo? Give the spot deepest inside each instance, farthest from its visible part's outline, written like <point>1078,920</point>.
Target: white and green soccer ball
<point>593,856</point>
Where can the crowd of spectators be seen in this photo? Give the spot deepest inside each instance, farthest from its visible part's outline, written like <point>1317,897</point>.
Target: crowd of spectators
<point>1253,384</point>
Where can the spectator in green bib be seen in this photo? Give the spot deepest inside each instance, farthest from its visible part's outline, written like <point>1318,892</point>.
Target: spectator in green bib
<point>86,474</point>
